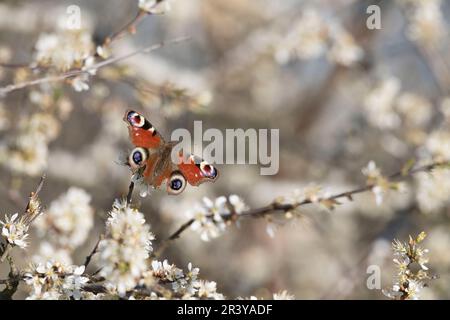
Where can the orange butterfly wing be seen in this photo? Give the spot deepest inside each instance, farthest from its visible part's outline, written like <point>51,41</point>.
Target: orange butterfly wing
<point>197,171</point>
<point>141,131</point>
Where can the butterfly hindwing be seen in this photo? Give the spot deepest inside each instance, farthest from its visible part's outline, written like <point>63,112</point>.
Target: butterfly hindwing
<point>196,170</point>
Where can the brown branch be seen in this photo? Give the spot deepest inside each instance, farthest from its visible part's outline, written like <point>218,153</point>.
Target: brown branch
<point>276,207</point>
<point>94,251</point>
<point>173,237</point>
<point>73,73</point>
<point>130,192</point>
<point>32,199</point>
<point>12,283</point>
<point>14,65</point>
<point>6,251</point>
<point>128,28</point>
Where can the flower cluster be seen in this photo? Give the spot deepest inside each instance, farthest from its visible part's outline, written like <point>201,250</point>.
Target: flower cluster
<point>124,251</point>
<point>433,188</point>
<point>55,281</point>
<point>48,251</point>
<point>410,260</point>
<point>426,22</point>
<point>66,50</point>
<point>15,230</point>
<point>185,285</point>
<point>313,35</point>
<point>68,220</point>
<point>27,152</point>
<point>388,108</point>
<point>211,217</point>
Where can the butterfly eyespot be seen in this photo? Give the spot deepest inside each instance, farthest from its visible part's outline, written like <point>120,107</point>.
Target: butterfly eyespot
<point>176,183</point>
<point>135,119</point>
<point>208,170</point>
<point>137,157</point>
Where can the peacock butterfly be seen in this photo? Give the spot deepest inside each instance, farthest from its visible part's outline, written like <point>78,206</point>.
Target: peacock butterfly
<point>151,158</point>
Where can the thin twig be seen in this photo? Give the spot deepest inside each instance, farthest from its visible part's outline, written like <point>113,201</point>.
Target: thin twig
<point>33,198</point>
<point>129,27</point>
<point>173,237</point>
<point>73,73</point>
<point>6,252</point>
<point>130,192</point>
<point>94,251</point>
<point>14,65</point>
<point>276,207</point>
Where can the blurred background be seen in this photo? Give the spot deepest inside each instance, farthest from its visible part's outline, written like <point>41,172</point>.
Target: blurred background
<point>340,93</point>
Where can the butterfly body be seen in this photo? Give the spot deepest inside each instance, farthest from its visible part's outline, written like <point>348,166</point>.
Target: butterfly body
<point>152,158</point>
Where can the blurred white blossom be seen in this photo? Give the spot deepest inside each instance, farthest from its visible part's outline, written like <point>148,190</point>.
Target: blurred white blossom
<point>27,154</point>
<point>47,252</point>
<point>380,103</point>
<point>438,145</point>
<point>345,51</point>
<point>433,190</point>
<point>68,220</point>
<point>426,22</point>
<point>64,50</point>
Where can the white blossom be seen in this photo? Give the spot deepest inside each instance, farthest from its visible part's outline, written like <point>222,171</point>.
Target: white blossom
<point>15,230</point>
<point>154,6</point>
<point>426,22</point>
<point>208,219</point>
<point>380,104</point>
<point>283,295</point>
<point>208,289</point>
<point>124,252</point>
<point>74,282</point>
<point>307,38</point>
<point>433,190</point>
<point>55,281</point>
<point>27,154</point>
<point>345,51</point>
<point>68,219</point>
<point>48,251</point>
<point>64,50</point>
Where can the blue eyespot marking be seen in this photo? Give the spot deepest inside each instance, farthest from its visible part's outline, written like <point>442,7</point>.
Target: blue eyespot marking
<point>176,184</point>
<point>137,157</point>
